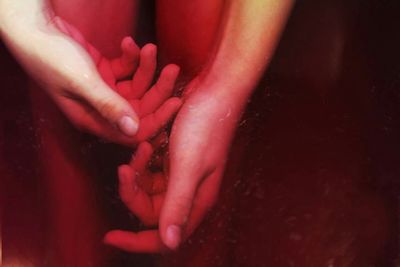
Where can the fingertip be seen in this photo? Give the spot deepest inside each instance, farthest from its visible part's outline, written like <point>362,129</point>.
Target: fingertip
<point>109,237</point>
<point>123,172</point>
<point>171,71</point>
<point>149,50</point>
<point>145,150</point>
<point>173,237</point>
<point>126,42</point>
<point>115,238</point>
<point>128,45</point>
<point>174,68</point>
<point>123,169</point>
<point>128,125</point>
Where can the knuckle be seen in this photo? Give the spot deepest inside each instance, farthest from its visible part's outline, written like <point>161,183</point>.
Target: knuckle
<point>106,107</point>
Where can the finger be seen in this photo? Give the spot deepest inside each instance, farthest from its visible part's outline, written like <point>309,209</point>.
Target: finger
<point>152,123</point>
<point>151,183</point>
<point>126,65</point>
<point>104,69</point>
<point>186,175</point>
<point>160,141</point>
<point>184,216</point>
<point>134,197</point>
<point>158,201</point>
<point>160,91</point>
<point>142,157</point>
<point>135,104</point>
<point>61,24</point>
<point>73,32</point>
<point>143,77</point>
<point>123,88</point>
<point>157,186</point>
<point>141,242</point>
<point>112,107</point>
<point>176,210</point>
<point>88,120</point>
<point>204,200</point>
<point>149,241</point>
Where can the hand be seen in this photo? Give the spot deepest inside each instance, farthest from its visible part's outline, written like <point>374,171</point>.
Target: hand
<point>67,72</point>
<point>204,127</point>
<point>64,69</point>
<point>153,106</point>
<point>199,144</point>
<point>143,193</point>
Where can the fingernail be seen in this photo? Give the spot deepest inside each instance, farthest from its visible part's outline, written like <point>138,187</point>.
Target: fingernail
<point>128,126</point>
<point>173,237</point>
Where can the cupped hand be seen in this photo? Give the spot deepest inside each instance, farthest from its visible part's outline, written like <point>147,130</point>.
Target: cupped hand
<point>67,72</point>
<point>153,105</point>
<point>199,142</point>
<point>142,191</point>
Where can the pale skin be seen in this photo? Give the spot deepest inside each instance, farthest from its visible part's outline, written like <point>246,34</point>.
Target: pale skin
<point>152,103</point>
<point>204,127</point>
<point>148,107</point>
<point>27,28</point>
<point>207,119</point>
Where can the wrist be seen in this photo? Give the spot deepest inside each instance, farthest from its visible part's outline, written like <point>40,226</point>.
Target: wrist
<point>224,91</point>
<point>18,18</point>
<point>218,102</point>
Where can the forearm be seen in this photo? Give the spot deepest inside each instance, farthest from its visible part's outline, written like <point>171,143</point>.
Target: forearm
<point>247,42</point>
<point>17,15</point>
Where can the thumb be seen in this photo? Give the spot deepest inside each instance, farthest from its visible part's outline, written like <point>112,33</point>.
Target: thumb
<point>112,107</point>
<point>178,202</point>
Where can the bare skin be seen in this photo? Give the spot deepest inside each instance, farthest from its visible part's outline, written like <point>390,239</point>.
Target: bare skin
<point>210,114</point>
<point>113,21</point>
<point>75,85</point>
<point>204,127</point>
<point>69,202</point>
<point>76,210</point>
